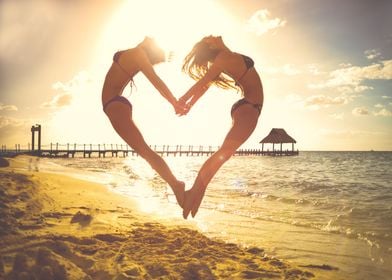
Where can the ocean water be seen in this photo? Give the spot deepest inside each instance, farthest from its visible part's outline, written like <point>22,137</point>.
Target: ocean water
<point>318,208</point>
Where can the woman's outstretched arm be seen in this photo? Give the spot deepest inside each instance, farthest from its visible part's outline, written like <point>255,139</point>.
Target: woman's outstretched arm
<point>147,69</point>
<point>201,86</point>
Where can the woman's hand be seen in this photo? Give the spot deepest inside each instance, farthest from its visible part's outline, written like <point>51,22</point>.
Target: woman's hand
<point>181,108</point>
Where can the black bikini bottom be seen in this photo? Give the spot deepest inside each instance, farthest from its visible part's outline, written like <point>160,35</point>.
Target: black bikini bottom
<point>118,98</point>
<point>242,102</point>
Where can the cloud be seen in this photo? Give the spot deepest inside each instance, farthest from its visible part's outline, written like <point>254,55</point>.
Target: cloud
<point>77,86</point>
<point>317,101</point>
<point>349,78</point>
<point>381,106</point>
<point>384,113</point>
<point>260,22</point>
<point>60,100</point>
<point>372,54</point>
<point>360,111</point>
<point>10,122</point>
<point>386,97</point>
<point>313,69</point>
<point>353,89</point>
<point>12,130</point>
<point>8,107</point>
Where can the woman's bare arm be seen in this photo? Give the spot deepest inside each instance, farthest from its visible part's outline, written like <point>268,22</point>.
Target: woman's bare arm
<point>148,70</point>
<point>202,85</point>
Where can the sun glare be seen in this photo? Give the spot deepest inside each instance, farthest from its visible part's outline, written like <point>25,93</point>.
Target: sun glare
<point>175,24</point>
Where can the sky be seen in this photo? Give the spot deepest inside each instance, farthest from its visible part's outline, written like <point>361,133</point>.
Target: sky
<point>326,68</point>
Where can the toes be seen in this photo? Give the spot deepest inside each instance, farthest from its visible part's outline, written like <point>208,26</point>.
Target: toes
<point>187,205</point>
<point>196,203</point>
<point>192,202</point>
<point>185,213</point>
<point>194,212</point>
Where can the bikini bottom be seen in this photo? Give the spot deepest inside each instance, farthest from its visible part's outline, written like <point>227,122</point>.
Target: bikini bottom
<point>120,99</point>
<point>243,101</point>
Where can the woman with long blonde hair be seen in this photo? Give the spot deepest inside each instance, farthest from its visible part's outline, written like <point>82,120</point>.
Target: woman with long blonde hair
<point>212,62</point>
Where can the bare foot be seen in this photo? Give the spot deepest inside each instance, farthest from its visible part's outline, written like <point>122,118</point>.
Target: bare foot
<point>197,198</point>
<point>188,202</point>
<point>179,192</point>
<point>192,201</point>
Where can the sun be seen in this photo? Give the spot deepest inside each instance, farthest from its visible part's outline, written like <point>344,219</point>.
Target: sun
<point>175,24</point>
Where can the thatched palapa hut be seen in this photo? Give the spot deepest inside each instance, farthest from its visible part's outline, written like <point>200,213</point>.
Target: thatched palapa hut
<point>279,136</point>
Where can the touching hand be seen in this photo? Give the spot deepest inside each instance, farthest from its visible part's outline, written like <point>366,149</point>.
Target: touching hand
<point>180,108</point>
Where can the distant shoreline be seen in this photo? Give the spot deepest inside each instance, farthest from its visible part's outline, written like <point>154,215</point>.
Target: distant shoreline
<point>11,154</point>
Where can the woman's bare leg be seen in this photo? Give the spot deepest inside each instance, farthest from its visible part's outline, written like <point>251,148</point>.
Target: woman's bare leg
<point>244,123</point>
<point>121,119</point>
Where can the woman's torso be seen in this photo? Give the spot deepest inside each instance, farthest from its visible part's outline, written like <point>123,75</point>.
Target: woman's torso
<point>239,68</point>
<point>120,73</point>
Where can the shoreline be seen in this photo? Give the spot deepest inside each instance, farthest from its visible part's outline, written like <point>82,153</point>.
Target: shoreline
<point>74,229</point>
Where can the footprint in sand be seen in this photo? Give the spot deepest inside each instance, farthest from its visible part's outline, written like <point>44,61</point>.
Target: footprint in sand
<point>82,219</point>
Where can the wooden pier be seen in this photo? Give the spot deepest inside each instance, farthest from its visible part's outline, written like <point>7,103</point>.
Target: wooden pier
<point>115,150</point>
<point>121,150</point>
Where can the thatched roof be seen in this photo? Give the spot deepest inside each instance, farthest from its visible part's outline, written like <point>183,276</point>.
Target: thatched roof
<point>278,135</point>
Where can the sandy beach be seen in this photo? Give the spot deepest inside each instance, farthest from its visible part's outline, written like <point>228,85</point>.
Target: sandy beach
<point>57,227</point>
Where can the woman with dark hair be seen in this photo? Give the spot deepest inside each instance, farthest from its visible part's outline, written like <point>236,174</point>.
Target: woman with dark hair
<point>212,62</point>
<point>126,64</point>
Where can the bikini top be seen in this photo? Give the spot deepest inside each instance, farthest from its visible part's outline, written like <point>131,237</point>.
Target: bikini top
<point>249,63</point>
<point>116,57</point>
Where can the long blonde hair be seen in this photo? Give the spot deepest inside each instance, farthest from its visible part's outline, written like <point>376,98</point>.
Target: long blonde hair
<point>198,61</point>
